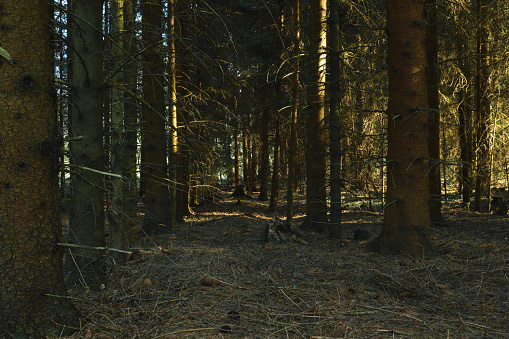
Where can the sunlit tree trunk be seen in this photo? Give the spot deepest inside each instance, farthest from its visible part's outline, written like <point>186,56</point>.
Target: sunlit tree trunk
<point>334,122</point>
<point>32,291</point>
<point>173,175</point>
<point>407,217</point>
<point>86,217</point>
<point>316,160</point>
<point>157,197</point>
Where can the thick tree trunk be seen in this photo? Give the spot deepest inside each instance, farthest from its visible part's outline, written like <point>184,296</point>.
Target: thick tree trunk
<point>157,197</point>
<point>407,217</point>
<point>316,161</point>
<point>334,121</point>
<point>86,219</point>
<point>32,291</point>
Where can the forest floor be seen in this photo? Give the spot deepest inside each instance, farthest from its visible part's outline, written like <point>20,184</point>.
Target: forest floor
<point>216,277</point>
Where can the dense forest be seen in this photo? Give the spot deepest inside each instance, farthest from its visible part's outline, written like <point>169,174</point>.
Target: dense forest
<point>122,118</point>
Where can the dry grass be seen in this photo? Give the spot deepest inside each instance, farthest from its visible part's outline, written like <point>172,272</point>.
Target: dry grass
<point>218,279</point>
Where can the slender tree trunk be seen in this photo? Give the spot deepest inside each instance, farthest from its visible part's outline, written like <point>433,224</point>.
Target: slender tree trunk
<point>482,108</point>
<point>130,142</point>
<point>274,187</point>
<point>264,163</point>
<point>433,80</point>
<point>254,161</point>
<point>334,122</point>
<point>245,151</point>
<point>292,149</point>
<point>86,217</point>
<point>407,216</point>
<point>173,175</point>
<point>119,234</point>
<point>465,135</point>
<point>316,161</point>
<point>237,156</point>
<point>32,291</point>
<point>157,197</point>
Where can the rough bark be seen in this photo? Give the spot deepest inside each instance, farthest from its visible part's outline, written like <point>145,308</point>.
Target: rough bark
<point>274,187</point>
<point>130,142</point>
<point>482,108</point>
<point>334,121</point>
<point>316,161</point>
<point>407,217</point>
<point>157,196</point>
<point>86,217</point>
<point>31,276</point>
<point>264,163</point>
<point>245,151</point>
<point>292,149</point>
<point>173,175</point>
<point>433,80</point>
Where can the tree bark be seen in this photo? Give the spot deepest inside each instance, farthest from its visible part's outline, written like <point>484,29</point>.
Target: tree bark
<point>316,161</point>
<point>433,80</point>
<point>154,146</point>
<point>334,121</point>
<point>86,219</point>
<point>292,149</point>
<point>407,216</point>
<point>482,108</point>
<point>264,163</point>
<point>32,291</point>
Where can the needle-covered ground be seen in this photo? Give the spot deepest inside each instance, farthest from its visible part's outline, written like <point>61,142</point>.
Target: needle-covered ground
<point>216,277</point>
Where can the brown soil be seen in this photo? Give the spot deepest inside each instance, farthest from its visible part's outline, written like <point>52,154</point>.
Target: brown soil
<point>216,278</point>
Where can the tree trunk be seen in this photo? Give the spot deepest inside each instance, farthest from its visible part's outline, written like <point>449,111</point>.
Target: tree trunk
<point>130,143</point>
<point>264,163</point>
<point>316,161</point>
<point>86,219</point>
<point>174,177</point>
<point>245,150</point>
<point>433,81</point>
<point>334,122</point>
<point>157,197</point>
<point>465,134</point>
<point>292,149</point>
<point>237,156</point>
<point>32,291</point>
<point>119,225</point>
<point>407,217</point>
<point>482,108</point>
<point>274,187</point>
